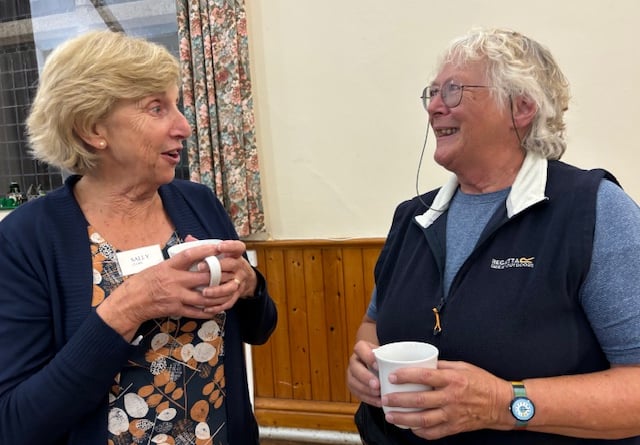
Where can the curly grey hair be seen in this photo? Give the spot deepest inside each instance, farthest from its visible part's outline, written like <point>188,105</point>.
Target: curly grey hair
<point>517,65</point>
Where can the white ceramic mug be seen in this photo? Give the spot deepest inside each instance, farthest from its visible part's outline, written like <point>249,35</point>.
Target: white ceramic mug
<point>215,271</point>
<point>405,354</point>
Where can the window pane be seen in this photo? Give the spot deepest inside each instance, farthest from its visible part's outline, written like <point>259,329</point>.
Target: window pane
<point>29,31</point>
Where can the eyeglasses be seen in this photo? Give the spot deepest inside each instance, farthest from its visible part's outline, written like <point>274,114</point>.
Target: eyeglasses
<point>450,93</point>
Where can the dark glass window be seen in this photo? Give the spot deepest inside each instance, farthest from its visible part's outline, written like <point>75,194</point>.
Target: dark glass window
<point>18,78</point>
<point>21,53</point>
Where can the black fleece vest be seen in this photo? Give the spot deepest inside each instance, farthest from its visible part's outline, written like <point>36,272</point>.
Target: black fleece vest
<point>513,307</point>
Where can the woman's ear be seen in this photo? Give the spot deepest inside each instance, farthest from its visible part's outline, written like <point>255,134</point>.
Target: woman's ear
<point>524,110</point>
<point>92,137</point>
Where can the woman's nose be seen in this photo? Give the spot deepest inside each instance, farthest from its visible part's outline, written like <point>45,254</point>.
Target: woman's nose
<point>182,126</point>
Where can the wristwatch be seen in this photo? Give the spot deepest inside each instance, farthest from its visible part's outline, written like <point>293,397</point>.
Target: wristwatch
<point>521,407</point>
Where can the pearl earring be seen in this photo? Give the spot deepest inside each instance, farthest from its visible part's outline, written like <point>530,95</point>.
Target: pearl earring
<point>102,144</point>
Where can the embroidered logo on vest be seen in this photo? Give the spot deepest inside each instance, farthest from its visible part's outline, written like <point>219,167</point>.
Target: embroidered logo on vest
<point>508,263</point>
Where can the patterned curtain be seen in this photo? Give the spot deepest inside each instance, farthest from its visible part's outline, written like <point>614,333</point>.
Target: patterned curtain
<point>217,102</point>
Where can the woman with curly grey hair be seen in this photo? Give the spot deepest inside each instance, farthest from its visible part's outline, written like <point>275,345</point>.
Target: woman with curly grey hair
<point>517,66</point>
<point>104,338</point>
<point>521,270</point>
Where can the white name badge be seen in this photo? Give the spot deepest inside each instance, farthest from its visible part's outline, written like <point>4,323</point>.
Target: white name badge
<point>135,260</point>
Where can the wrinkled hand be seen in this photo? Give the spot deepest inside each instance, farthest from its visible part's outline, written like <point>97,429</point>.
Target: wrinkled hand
<point>464,398</point>
<point>238,278</point>
<point>362,382</point>
<point>168,289</point>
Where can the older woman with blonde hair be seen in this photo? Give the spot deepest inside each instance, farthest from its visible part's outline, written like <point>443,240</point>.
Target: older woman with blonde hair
<point>522,270</point>
<point>104,339</point>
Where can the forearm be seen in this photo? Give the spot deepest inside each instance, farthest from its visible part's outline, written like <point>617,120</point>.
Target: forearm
<point>116,314</point>
<point>367,331</point>
<point>598,405</point>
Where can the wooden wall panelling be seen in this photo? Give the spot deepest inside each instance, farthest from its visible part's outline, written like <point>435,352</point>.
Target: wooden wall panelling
<point>281,353</point>
<point>322,289</point>
<point>369,259</point>
<point>354,298</point>
<point>296,312</point>
<point>262,356</point>
<point>318,347</point>
<point>336,323</point>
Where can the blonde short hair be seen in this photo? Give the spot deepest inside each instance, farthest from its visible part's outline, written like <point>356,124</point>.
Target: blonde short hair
<point>81,81</point>
<point>517,65</point>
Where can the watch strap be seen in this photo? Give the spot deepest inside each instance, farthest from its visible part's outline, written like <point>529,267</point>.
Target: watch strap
<point>519,391</point>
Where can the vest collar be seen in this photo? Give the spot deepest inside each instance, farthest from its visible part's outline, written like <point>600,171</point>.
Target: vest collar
<point>527,189</point>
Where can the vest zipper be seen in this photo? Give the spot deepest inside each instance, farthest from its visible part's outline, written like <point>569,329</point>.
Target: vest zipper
<point>437,327</point>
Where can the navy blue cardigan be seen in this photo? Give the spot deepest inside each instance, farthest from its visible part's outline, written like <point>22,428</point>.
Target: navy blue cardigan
<point>57,357</point>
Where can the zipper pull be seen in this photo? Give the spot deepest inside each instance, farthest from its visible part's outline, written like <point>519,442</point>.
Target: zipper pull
<point>437,328</point>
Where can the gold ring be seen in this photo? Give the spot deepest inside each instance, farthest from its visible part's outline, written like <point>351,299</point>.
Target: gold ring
<point>238,282</point>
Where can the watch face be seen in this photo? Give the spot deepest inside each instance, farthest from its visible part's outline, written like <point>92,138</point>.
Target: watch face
<point>522,408</point>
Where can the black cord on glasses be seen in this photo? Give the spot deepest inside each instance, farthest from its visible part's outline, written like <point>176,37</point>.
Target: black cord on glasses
<point>424,146</point>
<point>418,195</point>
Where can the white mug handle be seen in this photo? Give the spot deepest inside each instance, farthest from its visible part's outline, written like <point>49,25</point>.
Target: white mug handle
<point>215,270</point>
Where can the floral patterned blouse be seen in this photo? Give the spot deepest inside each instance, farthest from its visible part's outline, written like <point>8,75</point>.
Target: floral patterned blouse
<point>172,392</point>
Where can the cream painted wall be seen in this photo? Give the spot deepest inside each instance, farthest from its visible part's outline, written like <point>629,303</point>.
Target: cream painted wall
<point>336,86</point>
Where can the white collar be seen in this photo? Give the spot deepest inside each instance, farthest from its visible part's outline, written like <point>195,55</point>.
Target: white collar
<point>527,189</point>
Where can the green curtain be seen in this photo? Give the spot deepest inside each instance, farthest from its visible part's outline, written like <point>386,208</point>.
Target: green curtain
<point>217,100</point>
